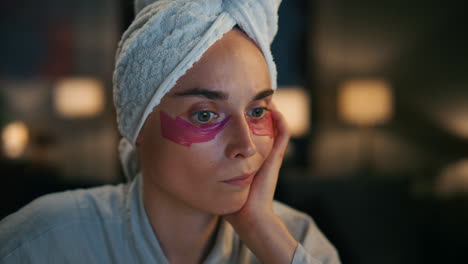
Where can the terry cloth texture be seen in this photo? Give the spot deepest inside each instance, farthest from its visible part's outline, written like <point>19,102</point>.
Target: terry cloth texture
<point>165,39</point>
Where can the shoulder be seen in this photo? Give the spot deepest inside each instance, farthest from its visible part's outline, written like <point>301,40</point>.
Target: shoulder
<point>297,222</point>
<point>303,228</point>
<point>57,211</point>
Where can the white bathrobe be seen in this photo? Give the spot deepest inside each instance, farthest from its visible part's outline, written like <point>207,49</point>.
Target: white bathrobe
<point>109,225</point>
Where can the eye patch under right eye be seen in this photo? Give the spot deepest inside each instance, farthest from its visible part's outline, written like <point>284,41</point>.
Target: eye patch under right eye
<point>182,132</point>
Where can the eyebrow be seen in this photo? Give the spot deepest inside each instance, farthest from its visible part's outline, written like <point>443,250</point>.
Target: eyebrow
<point>263,94</point>
<point>213,95</point>
<point>217,95</point>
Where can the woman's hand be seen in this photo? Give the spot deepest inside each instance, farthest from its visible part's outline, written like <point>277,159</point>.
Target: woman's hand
<point>260,200</point>
<point>256,223</point>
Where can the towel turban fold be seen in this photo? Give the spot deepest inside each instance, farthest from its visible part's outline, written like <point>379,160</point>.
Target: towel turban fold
<point>165,39</point>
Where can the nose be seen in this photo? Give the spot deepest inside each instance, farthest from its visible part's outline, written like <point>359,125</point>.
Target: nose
<point>240,144</point>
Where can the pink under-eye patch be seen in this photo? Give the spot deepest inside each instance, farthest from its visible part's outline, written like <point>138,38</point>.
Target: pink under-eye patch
<point>262,126</point>
<point>182,132</point>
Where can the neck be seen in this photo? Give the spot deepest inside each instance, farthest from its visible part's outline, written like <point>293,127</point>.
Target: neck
<point>186,235</point>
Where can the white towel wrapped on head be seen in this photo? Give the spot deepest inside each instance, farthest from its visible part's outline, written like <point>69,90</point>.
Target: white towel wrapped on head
<point>165,39</point>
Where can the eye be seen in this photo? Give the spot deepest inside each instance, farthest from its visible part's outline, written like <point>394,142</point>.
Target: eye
<point>204,116</point>
<point>257,112</point>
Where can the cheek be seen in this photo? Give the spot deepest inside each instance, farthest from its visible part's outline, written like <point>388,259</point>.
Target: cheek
<point>264,146</point>
<point>183,170</point>
<point>197,160</point>
<point>186,157</point>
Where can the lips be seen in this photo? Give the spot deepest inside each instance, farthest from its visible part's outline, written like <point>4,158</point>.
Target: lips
<point>242,181</point>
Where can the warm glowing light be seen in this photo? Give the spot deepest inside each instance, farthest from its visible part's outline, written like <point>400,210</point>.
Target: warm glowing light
<point>454,116</point>
<point>15,138</point>
<point>453,180</point>
<point>294,103</point>
<point>79,97</point>
<point>365,102</point>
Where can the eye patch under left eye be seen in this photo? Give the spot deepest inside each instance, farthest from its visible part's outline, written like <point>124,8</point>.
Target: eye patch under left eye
<point>262,126</point>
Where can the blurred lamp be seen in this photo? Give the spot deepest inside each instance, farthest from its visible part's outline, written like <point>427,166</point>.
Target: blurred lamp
<point>15,137</point>
<point>453,115</point>
<point>79,97</point>
<point>294,103</point>
<point>453,180</point>
<point>365,102</point>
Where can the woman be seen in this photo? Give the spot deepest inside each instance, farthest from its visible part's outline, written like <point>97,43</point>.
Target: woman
<point>202,147</point>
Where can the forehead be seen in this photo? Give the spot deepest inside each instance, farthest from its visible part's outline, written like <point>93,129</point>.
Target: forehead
<point>233,64</point>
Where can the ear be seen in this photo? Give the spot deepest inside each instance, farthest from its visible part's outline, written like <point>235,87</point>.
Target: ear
<point>139,138</point>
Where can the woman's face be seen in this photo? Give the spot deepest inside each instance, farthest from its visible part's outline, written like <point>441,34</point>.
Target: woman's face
<point>213,126</point>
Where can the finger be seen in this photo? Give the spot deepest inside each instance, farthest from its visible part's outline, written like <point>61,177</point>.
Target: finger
<point>281,140</point>
<point>267,176</point>
<point>283,135</point>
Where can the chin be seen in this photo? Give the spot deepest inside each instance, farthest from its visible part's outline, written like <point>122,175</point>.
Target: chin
<point>232,204</point>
